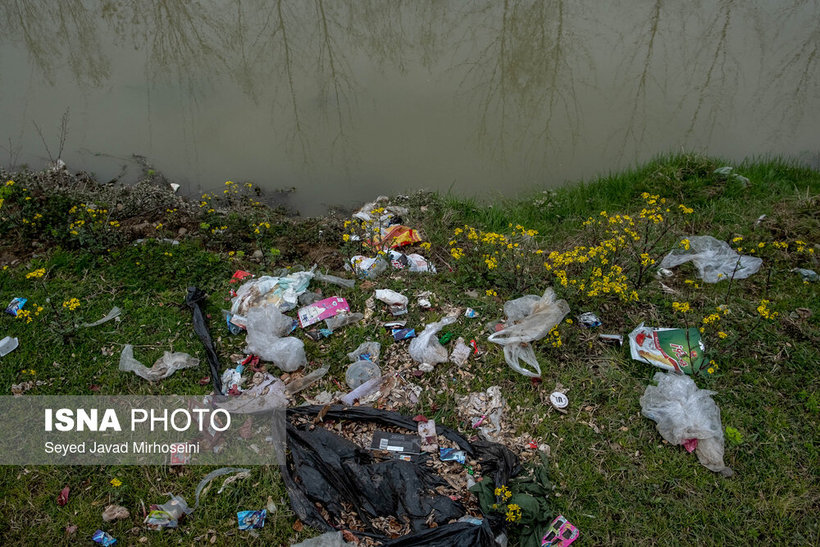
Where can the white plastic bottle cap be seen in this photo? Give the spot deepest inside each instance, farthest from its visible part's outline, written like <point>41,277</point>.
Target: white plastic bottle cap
<point>559,400</point>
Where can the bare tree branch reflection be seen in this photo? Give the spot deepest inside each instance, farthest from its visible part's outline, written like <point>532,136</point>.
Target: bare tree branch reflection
<point>58,33</point>
<point>524,77</point>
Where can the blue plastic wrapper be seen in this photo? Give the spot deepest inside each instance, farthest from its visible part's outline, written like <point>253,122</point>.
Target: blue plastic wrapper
<point>16,305</point>
<point>103,538</point>
<point>452,455</point>
<point>251,519</point>
<point>403,334</point>
<point>233,329</point>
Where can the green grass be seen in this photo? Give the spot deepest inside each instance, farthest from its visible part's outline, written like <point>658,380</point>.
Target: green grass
<point>615,478</point>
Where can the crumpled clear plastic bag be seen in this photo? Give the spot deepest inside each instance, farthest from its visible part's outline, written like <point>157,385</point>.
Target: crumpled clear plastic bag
<point>532,318</point>
<point>714,259</point>
<point>169,363</point>
<point>684,412</point>
<point>426,348</point>
<point>266,327</point>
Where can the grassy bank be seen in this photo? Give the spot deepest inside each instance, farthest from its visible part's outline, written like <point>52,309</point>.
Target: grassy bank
<point>598,244</point>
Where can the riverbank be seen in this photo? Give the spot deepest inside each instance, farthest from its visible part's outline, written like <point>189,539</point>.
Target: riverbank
<point>68,237</point>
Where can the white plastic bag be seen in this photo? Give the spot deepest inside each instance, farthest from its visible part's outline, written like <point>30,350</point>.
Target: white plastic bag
<point>684,412</point>
<point>267,321</point>
<point>286,353</point>
<point>425,348</point>
<point>266,326</point>
<point>714,259</point>
<point>535,318</point>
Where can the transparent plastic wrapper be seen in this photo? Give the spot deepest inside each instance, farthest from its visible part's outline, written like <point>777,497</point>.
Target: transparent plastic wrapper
<point>342,320</point>
<point>165,366</point>
<point>168,514</point>
<point>368,268</point>
<point>532,318</point>
<point>397,301</point>
<point>242,472</point>
<point>328,539</point>
<point>683,412</point>
<point>7,345</point>
<point>715,260</point>
<point>113,314</point>
<point>485,410</point>
<point>461,353</point>
<point>426,348</point>
<point>282,291</point>
<point>340,281</point>
<point>266,396</point>
<point>368,350</point>
<point>306,381</point>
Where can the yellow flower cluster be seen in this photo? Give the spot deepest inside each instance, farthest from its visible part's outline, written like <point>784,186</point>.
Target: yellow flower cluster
<point>24,315</point>
<point>503,492</point>
<point>457,253</point>
<point>685,244</point>
<point>491,261</point>
<point>513,513</point>
<point>711,318</point>
<point>490,292</point>
<point>265,225</point>
<point>116,483</point>
<point>555,337</point>
<point>71,304</point>
<point>36,274</point>
<point>765,312</point>
<point>682,307</point>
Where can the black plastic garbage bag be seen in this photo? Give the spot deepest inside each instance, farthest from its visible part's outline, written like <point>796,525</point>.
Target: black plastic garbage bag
<point>326,469</point>
<point>195,300</point>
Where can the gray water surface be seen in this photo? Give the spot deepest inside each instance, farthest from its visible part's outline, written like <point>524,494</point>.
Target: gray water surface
<point>348,99</point>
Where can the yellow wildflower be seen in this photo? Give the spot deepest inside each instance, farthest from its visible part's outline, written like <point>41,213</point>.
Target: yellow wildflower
<point>36,274</point>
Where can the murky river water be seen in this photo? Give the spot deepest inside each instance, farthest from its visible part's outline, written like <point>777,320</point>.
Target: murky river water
<point>347,99</point>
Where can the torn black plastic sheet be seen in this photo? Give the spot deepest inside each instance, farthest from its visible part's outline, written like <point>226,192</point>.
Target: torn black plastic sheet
<point>195,300</point>
<point>326,469</point>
